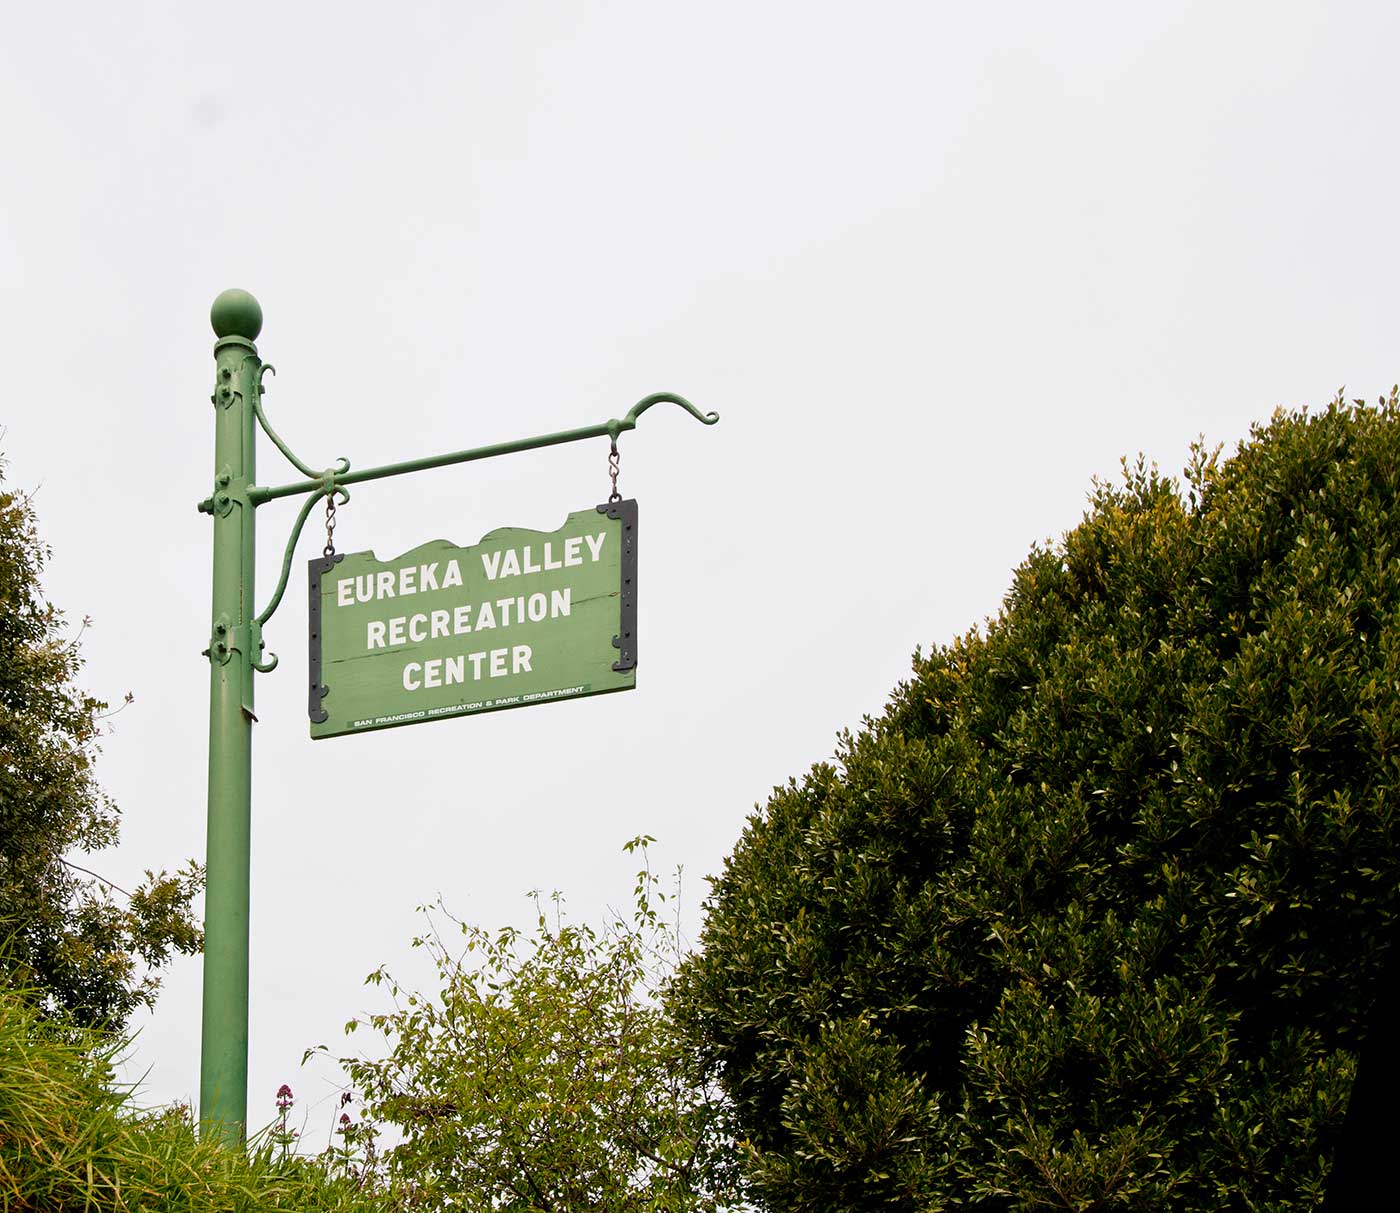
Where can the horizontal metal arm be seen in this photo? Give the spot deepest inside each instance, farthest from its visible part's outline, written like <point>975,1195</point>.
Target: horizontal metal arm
<point>608,429</point>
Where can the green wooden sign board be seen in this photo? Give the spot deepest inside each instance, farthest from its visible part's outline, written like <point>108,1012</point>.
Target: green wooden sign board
<point>521,618</point>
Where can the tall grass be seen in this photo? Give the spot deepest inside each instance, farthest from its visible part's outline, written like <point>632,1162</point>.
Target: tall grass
<point>71,1139</point>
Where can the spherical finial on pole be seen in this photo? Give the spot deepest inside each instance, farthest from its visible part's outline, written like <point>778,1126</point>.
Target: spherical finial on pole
<point>236,314</point>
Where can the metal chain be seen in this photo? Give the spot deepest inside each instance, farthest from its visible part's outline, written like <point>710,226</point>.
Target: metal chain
<point>329,550</point>
<point>614,461</point>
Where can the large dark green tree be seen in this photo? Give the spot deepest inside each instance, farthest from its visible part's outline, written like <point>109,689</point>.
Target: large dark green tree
<point>85,949</point>
<point>1091,918</point>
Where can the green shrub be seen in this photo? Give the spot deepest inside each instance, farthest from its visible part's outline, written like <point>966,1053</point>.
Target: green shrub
<point>70,1139</point>
<point>1091,917</point>
<point>543,1073</point>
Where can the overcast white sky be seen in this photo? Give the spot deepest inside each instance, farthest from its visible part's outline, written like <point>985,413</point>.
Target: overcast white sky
<point>936,265</point>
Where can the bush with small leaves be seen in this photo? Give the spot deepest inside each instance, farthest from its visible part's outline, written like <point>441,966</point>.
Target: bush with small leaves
<point>1091,918</point>
<point>545,1072</point>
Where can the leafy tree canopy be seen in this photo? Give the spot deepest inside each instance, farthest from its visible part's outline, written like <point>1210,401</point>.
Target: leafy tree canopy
<point>1092,916</point>
<point>88,950</point>
<point>545,1073</point>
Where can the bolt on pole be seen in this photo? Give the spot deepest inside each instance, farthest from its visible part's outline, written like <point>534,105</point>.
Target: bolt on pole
<point>223,1081</point>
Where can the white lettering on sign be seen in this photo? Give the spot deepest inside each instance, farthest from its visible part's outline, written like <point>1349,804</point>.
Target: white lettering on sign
<point>411,579</point>
<point>509,562</point>
<point>444,671</point>
<point>439,624</point>
<point>521,562</point>
<point>433,641</point>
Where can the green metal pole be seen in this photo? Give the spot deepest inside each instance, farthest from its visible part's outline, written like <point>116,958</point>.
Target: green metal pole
<point>223,1081</point>
<point>235,651</point>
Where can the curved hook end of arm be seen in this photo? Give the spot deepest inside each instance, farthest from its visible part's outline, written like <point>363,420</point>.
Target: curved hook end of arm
<point>630,422</point>
<point>255,646</point>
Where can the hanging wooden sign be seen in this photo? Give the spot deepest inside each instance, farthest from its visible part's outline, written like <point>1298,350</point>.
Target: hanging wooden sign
<point>521,618</point>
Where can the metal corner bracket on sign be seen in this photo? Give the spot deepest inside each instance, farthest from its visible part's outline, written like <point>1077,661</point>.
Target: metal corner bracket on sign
<point>626,641</point>
<point>318,690</point>
<point>236,649</point>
